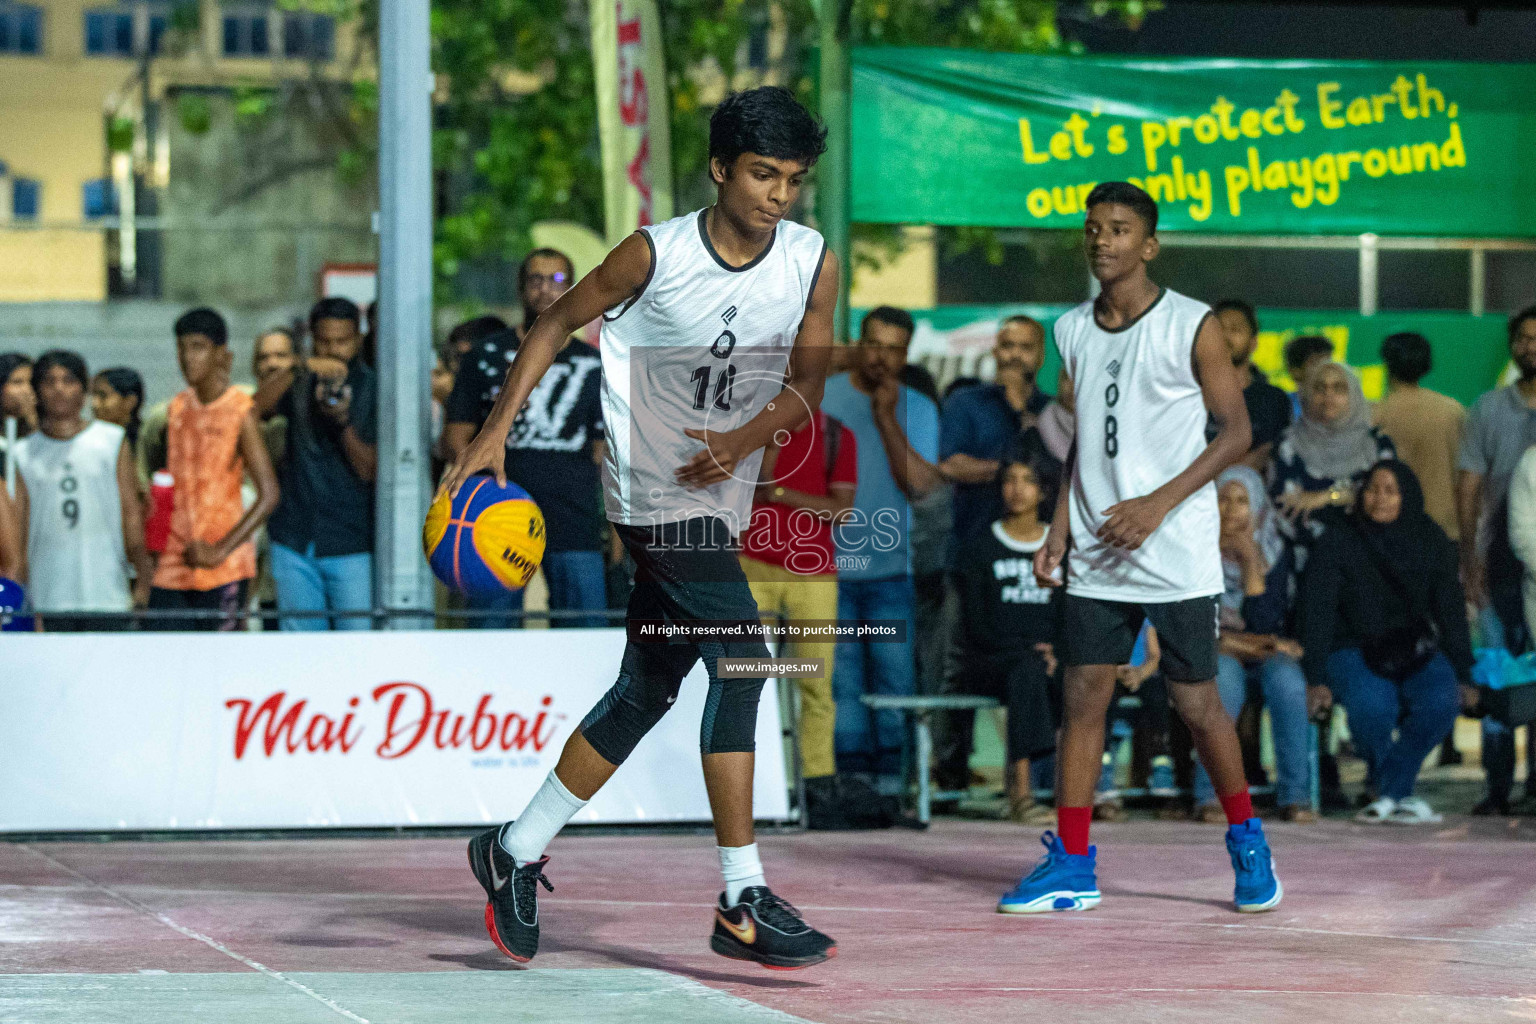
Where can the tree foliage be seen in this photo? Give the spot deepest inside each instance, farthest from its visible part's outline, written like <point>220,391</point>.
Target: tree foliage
<point>514,142</point>
<point>516,137</point>
<point>515,131</point>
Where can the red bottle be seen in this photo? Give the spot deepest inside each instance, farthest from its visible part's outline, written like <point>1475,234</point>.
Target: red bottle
<point>157,525</point>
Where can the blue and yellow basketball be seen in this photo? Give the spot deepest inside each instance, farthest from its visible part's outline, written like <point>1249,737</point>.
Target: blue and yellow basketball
<point>486,541</point>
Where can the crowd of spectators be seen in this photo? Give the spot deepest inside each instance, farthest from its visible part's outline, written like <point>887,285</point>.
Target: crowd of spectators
<point>1339,539</point>
<point>555,447</point>
<point>1357,539</point>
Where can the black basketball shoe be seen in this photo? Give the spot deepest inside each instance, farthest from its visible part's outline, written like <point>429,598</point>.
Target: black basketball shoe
<point>512,894</point>
<point>765,928</point>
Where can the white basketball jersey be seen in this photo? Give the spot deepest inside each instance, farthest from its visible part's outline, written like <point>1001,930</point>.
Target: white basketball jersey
<point>75,555</point>
<point>1140,422</point>
<point>704,345</point>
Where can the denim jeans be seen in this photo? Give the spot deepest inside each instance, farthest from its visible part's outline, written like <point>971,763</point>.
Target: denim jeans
<point>1284,687</point>
<point>307,583</point>
<point>576,583</point>
<point>507,601</point>
<point>1422,709</point>
<point>867,742</point>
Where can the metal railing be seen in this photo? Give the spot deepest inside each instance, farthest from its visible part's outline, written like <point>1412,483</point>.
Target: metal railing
<point>379,618</point>
<point>1370,246</point>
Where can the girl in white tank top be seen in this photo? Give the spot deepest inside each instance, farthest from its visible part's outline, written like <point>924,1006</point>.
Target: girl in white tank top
<point>76,554</point>
<point>75,521</point>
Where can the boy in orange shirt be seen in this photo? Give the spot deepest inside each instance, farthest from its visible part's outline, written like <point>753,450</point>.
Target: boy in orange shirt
<point>213,441</point>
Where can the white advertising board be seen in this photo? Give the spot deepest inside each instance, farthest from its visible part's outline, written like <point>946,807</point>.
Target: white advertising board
<point>291,730</point>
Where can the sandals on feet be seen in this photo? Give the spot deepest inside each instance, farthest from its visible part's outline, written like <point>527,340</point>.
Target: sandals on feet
<point>1412,811</point>
<point>1027,811</point>
<point>1377,811</point>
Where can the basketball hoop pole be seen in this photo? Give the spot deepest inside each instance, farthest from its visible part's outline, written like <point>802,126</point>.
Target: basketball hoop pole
<point>401,576</point>
<point>832,173</point>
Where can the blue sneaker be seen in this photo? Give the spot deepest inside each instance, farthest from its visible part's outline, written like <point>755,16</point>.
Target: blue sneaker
<point>1161,782</point>
<point>1258,889</point>
<point>1061,881</point>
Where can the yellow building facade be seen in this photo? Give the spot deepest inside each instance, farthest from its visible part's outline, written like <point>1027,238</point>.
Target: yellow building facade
<point>71,69</point>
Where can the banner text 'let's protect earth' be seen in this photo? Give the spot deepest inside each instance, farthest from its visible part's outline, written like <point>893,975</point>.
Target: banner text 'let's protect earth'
<point>1298,147</point>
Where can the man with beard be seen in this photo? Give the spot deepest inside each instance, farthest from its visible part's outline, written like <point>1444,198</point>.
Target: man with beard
<point>1500,427</point>
<point>1269,407</point>
<point>554,448</point>
<point>897,432</point>
<point>980,422</point>
<point>322,531</point>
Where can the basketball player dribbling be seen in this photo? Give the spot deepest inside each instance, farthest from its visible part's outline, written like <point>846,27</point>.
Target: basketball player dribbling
<point>717,331</point>
<point>1138,530</point>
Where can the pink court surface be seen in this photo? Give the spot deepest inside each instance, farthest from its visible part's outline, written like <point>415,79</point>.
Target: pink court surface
<point>1377,925</point>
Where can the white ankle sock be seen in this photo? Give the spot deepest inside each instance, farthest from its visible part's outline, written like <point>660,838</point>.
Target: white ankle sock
<point>546,814</point>
<point>742,869</point>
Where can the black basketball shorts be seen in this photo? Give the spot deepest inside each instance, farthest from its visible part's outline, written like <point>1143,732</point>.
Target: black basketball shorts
<point>685,573</point>
<point>1099,632</point>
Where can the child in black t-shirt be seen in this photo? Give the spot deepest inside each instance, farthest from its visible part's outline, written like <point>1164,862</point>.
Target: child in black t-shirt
<point>1008,629</point>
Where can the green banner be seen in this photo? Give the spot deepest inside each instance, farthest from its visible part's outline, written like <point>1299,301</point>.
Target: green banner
<point>1471,353</point>
<point>1234,146</point>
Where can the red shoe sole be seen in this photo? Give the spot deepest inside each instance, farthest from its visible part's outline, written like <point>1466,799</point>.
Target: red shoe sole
<point>490,926</point>
<point>831,952</point>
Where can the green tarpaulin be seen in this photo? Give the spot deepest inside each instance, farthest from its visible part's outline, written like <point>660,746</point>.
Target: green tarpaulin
<point>1470,352</point>
<point>1256,147</point>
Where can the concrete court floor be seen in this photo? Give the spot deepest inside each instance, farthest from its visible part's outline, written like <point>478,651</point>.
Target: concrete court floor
<point>1379,924</point>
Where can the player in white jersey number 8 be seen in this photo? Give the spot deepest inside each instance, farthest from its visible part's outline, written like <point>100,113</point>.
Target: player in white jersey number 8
<point>1135,537</point>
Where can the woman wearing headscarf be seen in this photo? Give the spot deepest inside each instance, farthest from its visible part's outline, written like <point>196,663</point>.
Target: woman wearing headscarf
<point>1254,648</point>
<point>1383,621</point>
<point>1323,457</point>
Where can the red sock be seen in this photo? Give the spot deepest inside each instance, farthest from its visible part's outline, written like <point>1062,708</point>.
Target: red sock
<point>1072,828</point>
<point>1238,807</point>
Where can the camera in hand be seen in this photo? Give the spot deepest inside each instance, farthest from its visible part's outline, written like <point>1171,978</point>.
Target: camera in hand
<point>330,391</point>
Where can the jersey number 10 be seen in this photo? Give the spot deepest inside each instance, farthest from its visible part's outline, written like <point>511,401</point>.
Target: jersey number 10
<point>721,349</point>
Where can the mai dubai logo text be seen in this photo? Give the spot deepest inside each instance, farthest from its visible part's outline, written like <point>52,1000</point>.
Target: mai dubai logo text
<point>404,715</point>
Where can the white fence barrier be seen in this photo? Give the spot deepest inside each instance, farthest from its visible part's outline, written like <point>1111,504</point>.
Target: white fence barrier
<point>293,730</point>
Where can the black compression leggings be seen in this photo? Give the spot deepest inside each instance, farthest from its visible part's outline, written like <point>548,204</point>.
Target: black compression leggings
<point>648,684</point>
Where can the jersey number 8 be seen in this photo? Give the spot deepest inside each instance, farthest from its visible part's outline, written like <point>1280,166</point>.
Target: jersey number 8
<point>1111,427</point>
